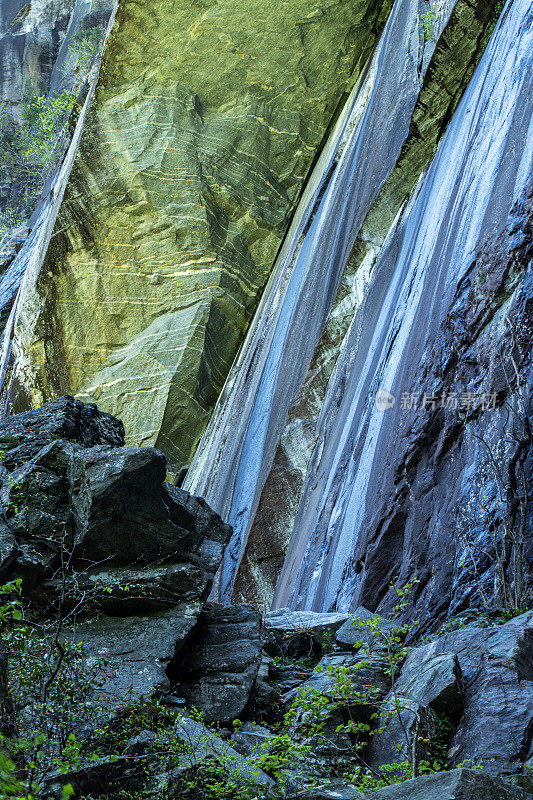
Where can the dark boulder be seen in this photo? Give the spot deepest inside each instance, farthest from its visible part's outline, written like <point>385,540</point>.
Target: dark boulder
<point>141,554</point>
<point>119,509</point>
<point>23,435</point>
<point>496,726</point>
<point>264,704</point>
<point>218,665</point>
<point>285,624</point>
<point>405,728</point>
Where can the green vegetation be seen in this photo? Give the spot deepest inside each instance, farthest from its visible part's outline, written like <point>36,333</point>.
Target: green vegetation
<point>85,45</point>
<point>52,729</point>
<point>31,147</point>
<point>428,21</point>
<point>32,143</point>
<point>498,8</point>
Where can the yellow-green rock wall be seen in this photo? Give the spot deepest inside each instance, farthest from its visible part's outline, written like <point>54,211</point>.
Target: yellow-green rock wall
<point>205,123</point>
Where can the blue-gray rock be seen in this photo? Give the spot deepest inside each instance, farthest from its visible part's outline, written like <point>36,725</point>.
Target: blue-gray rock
<point>285,623</point>
<point>459,784</point>
<point>495,728</point>
<point>218,665</point>
<point>434,682</point>
<point>366,628</point>
<point>333,791</point>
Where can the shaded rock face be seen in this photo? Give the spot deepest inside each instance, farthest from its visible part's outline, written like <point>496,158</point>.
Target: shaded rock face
<point>460,784</point>
<point>496,726</point>
<point>143,552</point>
<point>219,662</point>
<point>190,167</point>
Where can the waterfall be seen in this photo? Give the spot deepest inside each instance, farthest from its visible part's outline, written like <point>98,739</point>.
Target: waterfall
<point>469,188</point>
<point>236,451</point>
<point>479,175</point>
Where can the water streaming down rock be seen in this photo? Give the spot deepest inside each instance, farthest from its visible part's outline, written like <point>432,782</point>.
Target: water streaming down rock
<point>389,489</point>
<point>17,283</point>
<point>235,455</point>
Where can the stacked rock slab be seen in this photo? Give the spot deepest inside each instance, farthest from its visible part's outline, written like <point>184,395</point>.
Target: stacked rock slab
<point>142,552</point>
<point>218,664</point>
<point>204,127</point>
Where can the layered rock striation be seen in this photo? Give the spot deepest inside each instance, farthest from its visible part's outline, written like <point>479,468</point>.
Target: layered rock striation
<point>191,164</point>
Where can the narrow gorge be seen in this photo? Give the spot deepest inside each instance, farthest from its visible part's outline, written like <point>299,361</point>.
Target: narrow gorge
<point>266,439</point>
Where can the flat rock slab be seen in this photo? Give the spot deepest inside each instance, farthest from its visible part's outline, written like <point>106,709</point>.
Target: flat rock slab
<point>459,784</point>
<point>363,626</point>
<point>283,623</point>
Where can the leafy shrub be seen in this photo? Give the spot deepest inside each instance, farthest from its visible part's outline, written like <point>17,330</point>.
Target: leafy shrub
<point>428,21</point>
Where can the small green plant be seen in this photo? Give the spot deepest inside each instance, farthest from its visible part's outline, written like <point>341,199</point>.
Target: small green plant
<point>327,641</point>
<point>498,8</point>
<point>428,22</point>
<point>46,688</point>
<point>33,142</point>
<point>31,147</point>
<point>86,45</point>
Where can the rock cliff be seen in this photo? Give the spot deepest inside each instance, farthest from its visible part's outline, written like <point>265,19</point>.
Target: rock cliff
<point>357,492</point>
<point>189,170</point>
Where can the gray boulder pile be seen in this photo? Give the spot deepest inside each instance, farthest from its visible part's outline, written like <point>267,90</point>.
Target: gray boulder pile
<point>196,698</point>
<point>141,553</point>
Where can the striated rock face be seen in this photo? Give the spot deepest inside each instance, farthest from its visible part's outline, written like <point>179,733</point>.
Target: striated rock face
<point>400,489</point>
<point>392,124</point>
<point>191,164</point>
<point>218,665</point>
